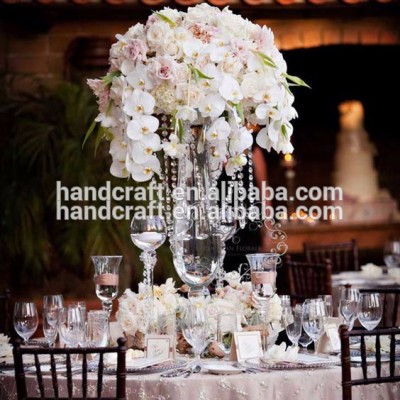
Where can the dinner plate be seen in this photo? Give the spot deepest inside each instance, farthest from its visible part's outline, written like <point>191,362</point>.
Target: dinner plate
<point>222,369</point>
<point>151,369</point>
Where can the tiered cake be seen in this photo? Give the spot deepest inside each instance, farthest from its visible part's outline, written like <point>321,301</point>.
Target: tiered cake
<point>363,201</point>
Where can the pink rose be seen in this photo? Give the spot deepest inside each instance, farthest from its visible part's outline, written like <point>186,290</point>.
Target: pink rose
<point>136,50</point>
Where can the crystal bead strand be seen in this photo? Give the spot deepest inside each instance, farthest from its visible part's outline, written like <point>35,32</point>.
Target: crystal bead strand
<point>253,210</point>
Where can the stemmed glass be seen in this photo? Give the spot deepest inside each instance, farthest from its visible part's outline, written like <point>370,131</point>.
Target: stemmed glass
<point>348,305</point>
<point>148,234</point>
<point>263,282</point>
<point>106,279</point>
<point>304,340</point>
<point>25,319</point>
<point>52,304</point>
<point>72,326</point>
<point>314,317</point>
<point>391,253</point>
<point>369,310</point>
<point>195,329</point>
<point>295,325</point>
<point>226,326</point>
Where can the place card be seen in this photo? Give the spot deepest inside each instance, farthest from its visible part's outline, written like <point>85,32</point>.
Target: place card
<point>246,345</point>
<point>330,340</point>
<point>160,347</point>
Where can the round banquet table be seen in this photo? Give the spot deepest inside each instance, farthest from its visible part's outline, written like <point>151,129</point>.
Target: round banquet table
<point>299,384</point>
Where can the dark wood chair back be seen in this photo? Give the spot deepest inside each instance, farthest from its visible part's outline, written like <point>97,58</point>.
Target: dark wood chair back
<point>83,353</point>
<point>5,316</point>
<point>390,298</point>
<point>343,256</point>
<point>308,280</point>
<point>367,379</point>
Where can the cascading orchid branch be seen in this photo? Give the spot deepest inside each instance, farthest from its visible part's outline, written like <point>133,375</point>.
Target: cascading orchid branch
<point>205,65</point>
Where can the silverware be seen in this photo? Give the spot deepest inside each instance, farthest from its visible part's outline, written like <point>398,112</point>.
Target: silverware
<point>174,373</point>
<point>193,370</point>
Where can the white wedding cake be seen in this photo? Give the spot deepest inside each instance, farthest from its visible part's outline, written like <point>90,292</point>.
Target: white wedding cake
<point>355,173</point>
<point>354,158</point>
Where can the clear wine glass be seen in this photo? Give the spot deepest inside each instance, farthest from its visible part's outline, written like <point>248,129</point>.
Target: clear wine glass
<point>227,324</point>
<point>295,325</point>
<point>148,234</point>
<point>369,310</point>
<point>50,318</point>
<point>263,282</point>
<point>391,254</point>
<point>348,305</point>
<point>72,327</point>
<point>314,317</point>
<point>106,278</point>
<point>25,319</point>
<point>195,329</point>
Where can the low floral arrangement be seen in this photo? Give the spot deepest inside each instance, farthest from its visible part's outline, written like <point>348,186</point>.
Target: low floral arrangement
<point>236,297</point>
<point>5,347</point>
<point>205,64</point>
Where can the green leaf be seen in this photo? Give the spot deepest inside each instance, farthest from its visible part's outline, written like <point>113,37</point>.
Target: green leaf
<point>180,130</point>
<point>99,137</point>
<point>165,19</point>
<point>284,132</point>
<point>197,74</point>
<point>296,80</point>
<point>265,59</point>
<point>286,86</point>
<point>89,132</point>
<point>107,80</point>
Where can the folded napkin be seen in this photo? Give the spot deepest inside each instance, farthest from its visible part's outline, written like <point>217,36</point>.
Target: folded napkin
<point>281,353</point>
<point>371,270</point>
<point>5,347</point>
<point>111,358</point>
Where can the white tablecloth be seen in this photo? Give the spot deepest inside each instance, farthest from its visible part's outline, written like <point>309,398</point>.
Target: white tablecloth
<point>301,384</point>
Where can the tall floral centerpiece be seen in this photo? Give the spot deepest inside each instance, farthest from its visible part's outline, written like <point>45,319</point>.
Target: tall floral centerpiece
<point>179,104</point>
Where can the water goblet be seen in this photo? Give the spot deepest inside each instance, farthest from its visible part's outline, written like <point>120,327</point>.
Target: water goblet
<point>227,324</point>
<point>25,319</point>
<point>195,329</point>
<point>348,305</point>
<point>391,253</point>
<point>72,327</point>
<point>295,325</point>
<point>106,279</point>
<point>148,233</point>
<point>369,310</point>
<point>314,317</point>
<point>50,321</point>
<point>263,282</point>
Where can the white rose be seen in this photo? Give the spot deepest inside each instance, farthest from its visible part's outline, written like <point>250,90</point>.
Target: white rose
<point>156,34</point>
<point>127,321</point>
<point>233,278</point>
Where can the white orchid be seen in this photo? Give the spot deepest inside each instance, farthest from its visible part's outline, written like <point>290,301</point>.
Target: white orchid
<point>173,148</point>
<point>230,89</point>
<point>145,171</point>
<point>139,103</point>
<point>203,64</point>
<point>142,127</point>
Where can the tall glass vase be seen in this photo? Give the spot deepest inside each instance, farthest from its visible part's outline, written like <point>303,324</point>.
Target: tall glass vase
<point>196,242</point>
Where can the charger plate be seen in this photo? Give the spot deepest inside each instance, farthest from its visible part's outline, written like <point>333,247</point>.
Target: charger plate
<point>151,369</point>
<point>303,361</point>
